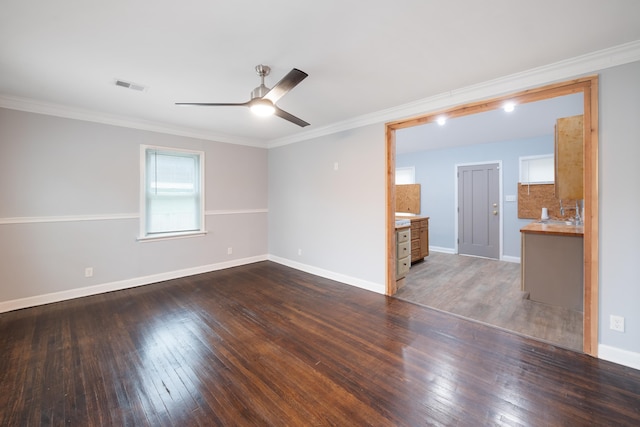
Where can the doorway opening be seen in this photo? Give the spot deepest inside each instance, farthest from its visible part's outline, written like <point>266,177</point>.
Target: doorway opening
<point>588,87</point>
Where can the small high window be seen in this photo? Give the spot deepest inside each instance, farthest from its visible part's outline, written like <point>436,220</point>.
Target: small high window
<point>537,169</point>
<point>406,175</point>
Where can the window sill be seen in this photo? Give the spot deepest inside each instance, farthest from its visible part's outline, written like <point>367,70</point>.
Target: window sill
<point>537,183</point>
<point>171,236</point>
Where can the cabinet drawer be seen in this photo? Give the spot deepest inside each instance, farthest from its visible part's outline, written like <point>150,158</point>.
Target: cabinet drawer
<point>403,235</point>
<point>402,267</point>
<point>404,249</point>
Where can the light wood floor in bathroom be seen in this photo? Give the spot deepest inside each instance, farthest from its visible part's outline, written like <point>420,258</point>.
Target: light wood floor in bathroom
<point>489,291</point>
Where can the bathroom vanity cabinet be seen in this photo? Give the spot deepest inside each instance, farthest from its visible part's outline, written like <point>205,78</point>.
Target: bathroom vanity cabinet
<point>403,252</point>
<point>419,238</point>
<point>552,265</point>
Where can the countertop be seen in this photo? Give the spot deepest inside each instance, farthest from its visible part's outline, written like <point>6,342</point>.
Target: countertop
<point>405,221</point>
<point>537,227</point>
<point>402,223</point>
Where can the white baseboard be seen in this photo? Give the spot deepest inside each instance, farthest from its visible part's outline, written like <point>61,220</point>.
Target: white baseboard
<point>451,251</point>
<point>359,283</point>
<point>122,284</point>
<point>619,356</point>
<point>507,258</point>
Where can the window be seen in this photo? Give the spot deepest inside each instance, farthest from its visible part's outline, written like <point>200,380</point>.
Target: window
<point>537,169</point>
<point>406,175</point>
<point>172,192</point>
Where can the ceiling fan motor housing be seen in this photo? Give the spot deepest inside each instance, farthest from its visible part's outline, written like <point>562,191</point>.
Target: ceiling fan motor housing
<point>259,92</point>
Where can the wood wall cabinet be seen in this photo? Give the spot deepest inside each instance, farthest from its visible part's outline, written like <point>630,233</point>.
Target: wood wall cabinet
<point>408,198</point>
<point>419,238</point>
<point>569,158</point>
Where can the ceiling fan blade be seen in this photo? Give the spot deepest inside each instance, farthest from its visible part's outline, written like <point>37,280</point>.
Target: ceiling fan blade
<point>287,83</point>
<point>290,117</point>
<point>215,104</point>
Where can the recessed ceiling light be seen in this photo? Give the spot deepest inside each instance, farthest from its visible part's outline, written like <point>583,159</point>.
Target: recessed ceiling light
<point>509,106</point>
<point>442,120</point>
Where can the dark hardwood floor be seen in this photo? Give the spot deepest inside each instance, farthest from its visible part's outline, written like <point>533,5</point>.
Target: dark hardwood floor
<point>489,291</point>
<point>264,344</point>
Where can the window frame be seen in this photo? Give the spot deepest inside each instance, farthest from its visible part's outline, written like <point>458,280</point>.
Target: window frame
<point>527,160</point>
<point>143,235</point>
<point>409,171</point>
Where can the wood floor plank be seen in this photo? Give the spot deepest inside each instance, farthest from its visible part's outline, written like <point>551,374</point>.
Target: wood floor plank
<point>489,291</point>
<point>264,344</point>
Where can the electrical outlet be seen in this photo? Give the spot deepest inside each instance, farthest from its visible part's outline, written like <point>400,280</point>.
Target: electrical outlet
<point>229,251</point>
<point>616,323</point>
<point>299,251</point>
<point>88,272</point>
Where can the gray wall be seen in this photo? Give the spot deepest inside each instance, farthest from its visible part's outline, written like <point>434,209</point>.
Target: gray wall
<point>69,199</point>
<point>435,174</point>
<point>620,204</point>
<point>335,217</point>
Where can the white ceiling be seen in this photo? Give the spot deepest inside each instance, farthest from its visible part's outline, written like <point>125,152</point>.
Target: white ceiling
<point>531,120</point>
<point>361,57</point>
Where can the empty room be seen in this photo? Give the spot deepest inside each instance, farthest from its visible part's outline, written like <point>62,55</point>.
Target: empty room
<point>203,219</point>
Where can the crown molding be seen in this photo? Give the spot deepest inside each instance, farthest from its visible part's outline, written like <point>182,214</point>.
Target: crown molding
<point>58,110</point>
<point>558,71</point>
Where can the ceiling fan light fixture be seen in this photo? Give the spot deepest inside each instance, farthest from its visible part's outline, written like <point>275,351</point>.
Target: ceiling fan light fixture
<point>263,100</point>
<point>262,108</point>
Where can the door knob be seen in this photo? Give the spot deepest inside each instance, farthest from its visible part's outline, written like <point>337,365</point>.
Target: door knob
<point>495,205</point>
<point>495,212</point>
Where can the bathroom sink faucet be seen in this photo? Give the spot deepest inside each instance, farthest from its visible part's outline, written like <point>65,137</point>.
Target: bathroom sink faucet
<point>578,217</point>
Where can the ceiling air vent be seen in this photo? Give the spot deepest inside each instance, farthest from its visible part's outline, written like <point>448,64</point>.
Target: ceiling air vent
<point>129,85</point>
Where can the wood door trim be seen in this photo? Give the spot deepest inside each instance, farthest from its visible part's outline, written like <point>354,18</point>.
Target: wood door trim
<point>589,87</point>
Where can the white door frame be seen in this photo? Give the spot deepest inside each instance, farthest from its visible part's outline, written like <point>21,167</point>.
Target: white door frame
<point>456,212</point>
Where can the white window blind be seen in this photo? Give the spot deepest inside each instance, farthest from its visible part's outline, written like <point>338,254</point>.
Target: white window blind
<point>537,169</point>
<point>173,193</point>
<point>406,175</point>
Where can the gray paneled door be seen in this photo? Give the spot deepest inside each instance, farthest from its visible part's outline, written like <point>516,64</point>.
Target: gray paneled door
<point>479,210</point>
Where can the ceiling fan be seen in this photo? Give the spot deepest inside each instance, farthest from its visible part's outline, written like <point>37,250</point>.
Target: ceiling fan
<point>263,100</point>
